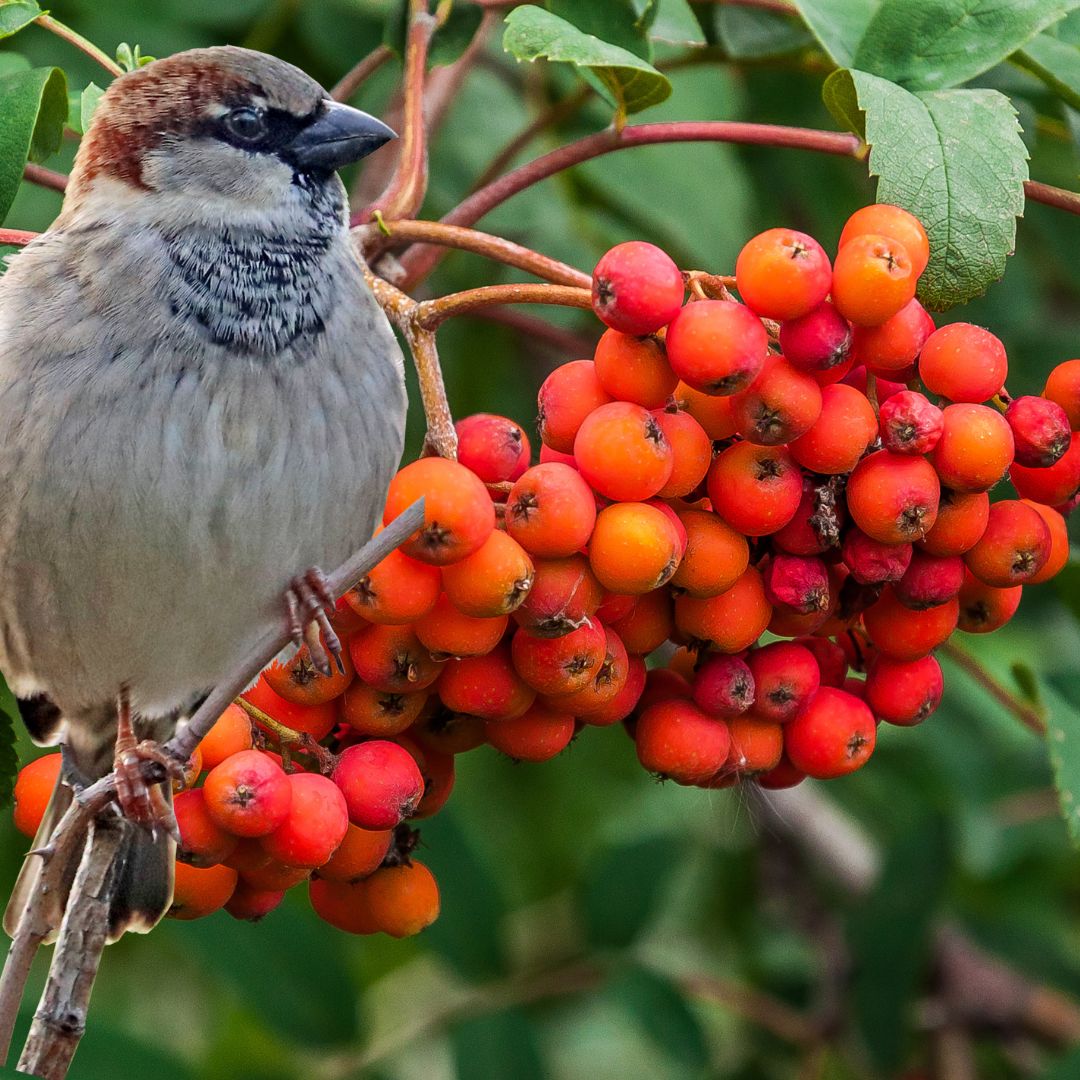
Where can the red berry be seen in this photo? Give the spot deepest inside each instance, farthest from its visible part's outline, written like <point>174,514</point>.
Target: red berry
<point>755,489</point>
<point>816,525</point>
<point>1040,431</point>
<point>248,794</point>
<point>894,345</point>
<point>559,665</point>
<point>493,447</point>
<point>485,686</point>
<point>564,594</point>
<point>780,405</point>
<point>930,580</point>
<point>818,341</point>
<point>1054,484</point>
<point>910,424</point>
<point>723,686</point>
<point>1014,547</point>
<point>317,821</point>
<point>782,273</point>
<point>871,562</point>
<point>550,511</point>
<point>676,740</point>
<point>381,783</point>
<point>716,346</point>
<point>786,675</point>
<point>566,397</point>
<point>984,608</point>
<point>840,435</point>
<point>33,790</point>
<point>538,735</point>
<point>832,735</point>
<point>797,582</point>
<point>637,288</point>
<point>832,660</point>
<point>906,634</point>
<point>904,692</point>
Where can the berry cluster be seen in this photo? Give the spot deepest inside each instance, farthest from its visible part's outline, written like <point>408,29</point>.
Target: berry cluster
<point>751,524</point>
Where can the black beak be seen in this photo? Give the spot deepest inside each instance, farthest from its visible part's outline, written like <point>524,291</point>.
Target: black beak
<point>338,136</point>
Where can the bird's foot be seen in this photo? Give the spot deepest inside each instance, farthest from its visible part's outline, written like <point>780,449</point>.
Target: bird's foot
<point>140,802</point>
<point>310,603</point>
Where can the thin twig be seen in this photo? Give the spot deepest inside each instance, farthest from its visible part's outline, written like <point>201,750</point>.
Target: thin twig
<point>480,243</point>
<point>353,79</point>
<point>289,740</point>
<point>1025,713</point>
<point>81,43</point>
<point>431,314</point>
<point>16,237</point>
<point>47,178</point>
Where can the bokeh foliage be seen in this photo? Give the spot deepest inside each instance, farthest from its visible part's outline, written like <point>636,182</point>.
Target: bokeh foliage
<point>596,924</point>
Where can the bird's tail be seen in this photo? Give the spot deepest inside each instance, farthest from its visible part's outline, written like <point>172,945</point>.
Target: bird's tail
<point>141,890</point>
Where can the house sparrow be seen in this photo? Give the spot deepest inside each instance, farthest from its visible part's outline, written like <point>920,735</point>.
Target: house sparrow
<point>199,397</point>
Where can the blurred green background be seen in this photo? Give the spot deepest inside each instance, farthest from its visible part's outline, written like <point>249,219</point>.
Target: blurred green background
<point>597,924</point>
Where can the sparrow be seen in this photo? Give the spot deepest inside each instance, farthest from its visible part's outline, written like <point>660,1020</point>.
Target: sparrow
<point>200,403</point>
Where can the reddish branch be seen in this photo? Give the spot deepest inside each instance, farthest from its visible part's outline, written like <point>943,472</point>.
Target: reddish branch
<point>352,80</point>
<point>16,237</point>
<point>35,174</point>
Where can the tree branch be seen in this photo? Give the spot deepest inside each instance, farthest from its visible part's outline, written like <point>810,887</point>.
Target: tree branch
<point>352,80</point>
<point>47,178</point>
<point>81,43</point>
<point>16,237</point>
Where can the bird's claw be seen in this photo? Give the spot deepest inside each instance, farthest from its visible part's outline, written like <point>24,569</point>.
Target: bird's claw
<point>310,603</point>
<point>142,803</point>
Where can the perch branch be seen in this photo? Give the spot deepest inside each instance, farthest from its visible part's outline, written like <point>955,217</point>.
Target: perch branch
<point>46,178</point>
<point>16,237</point>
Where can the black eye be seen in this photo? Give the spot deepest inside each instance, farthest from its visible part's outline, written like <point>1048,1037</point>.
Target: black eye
<point>245,124</point>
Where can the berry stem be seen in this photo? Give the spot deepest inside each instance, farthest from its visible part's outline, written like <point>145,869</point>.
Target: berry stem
<point>46,178</point>
<point>288,739</point>
<point>480,243</point>
<point>356,76</point>
<point>58,28</point>
<point>430,314</point>
<point>1029,716</point>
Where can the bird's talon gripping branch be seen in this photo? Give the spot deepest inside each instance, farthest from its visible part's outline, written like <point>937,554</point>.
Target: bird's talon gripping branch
<point>141,802</point>
<point>309,601</point>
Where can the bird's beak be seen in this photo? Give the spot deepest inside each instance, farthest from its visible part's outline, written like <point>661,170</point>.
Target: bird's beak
<point>338,136</point>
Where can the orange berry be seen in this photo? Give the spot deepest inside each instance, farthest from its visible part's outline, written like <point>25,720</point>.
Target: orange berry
<point>963,363</point>
<point>730,622</point>
<point>975,448</point>
<point>634,369</point>
<point>564,594</point>
<point>360,853</point>
<point>781,404</point>
<point>567,396</point>
<point>1063,387</point>
<point>33,790</point>
<point>446,732</point>
<point>444,631</point>
<point>715,557</point>
<point>248,795</point>
<point>649,625</point>
<point>675,739</point>
<point>559,665</point>
<point>622,452</point>
<point>755,489</point>
<point>782,273</point>
<point>539,735</point>
<point>634,548</point>
<point>884,219</point>
<point>458,512</point>
<point>893,346</point>
<point>756,744</point>
<point>839,437</point>
<point>873,278</point>
<point>605,685</point>
<point>299,681</point>
<point>716,346</point>
<point>961,521</point>
<point>200,891</point>
<point>711,412</point>
<point>550,511</point>
<point>622,704</point>
<point>402,900</point>
<point>343,905</point>
<point>983,608</point>
<point>380,713</point>
<point>492,581</point>
<point>893,498</point>
<point>203,842</point>
<point>391,659</point>
<point>396,591</point>
<point>315,720</point>
<point>1014,547</point>
<point>691,452</point>
<point>904,634</point>
<point>1059,542</point>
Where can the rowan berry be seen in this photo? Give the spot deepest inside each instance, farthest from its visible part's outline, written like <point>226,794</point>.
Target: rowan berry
<point>493,447</point>
<point>402,900</point>
<point>691,451</point>
<point>300,682</point>
<point>1013,549</point>
<point>884,219</point>
<point>905,634</point>
<point>723,686</point>
<point>831,659</point>
<point>564,594</point>
<point>634,548</point>
<point>199,891</point>
<point>975,448</point>
<point>782,775</point>
<point>1063,387</point>
<point>904,692</point>
<point>342,904</point>
<point>984,608</point>
<point>1059,543</point>
<point>873,278</point>
<point>381,783</point>
<point>621,450</point>
<point>782,273</point>
<point>378,713</point>
<point>757,744</point>
<point>963,363</point>
<point>250,904</point>
<point>446,732</point>
<point>844,429</point>
<point>274,875</point>
<point>458,512</point>
<point>636,288</point>
<point>893,498</point>
<point>486,686</point>
<point>550,511</point>
<point>779,405</point>
<point>786,675</point>
<point>910,424</point>
<point>634,369</point>
<point>711,412</point>
<point>360,853</point>
<point>33,790</point>
<point>438,772</point>
<point>392,659</point>
<point>961,521</point>
<point>445,631</point>
<point>819,341</point>
<point>559,665</point>
<point>1053,485</point>
<point>248,856</point>
<point>799,583</point>
<point>566,397</point>
<point>929,580</point>
<point>649,625</point>
<point>315,825</point>
<point>231,732</point>
<point>883,388</point>
<point>1040,430</point>
<point>730,622</point>
<point>716,346</point>
<point>539,735</point>
<point>677,741</point>
<point>203,842</point>
<point>755,489</point>
<point>615,606</point>
<point>786,622</point>
<point>396,591</point>
<point>894,345</point>
<point>832,735</point>
<point>871,562</point>
<point>815,527</point>
<point>248,794</point>
<point>715,558</point>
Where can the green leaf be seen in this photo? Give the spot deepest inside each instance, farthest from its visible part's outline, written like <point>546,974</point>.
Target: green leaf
<point>622,890</point>
<point>501,1044</point>
<point>1067,586</point>
<point>450,40</point>
<point>940,43</point>
<point>838,24</point>
<point>14,16</point>
<point>31,124</point>
<point>1025,678</point>
<point>751,34</point>
<point>81,107</point>
<point>1063,744</point>
<point>130,57</point>
<point>11,62</point>
<point>629,82</point>
<point>1056,62</point>
<point>625,23</point>
<point>955,159</point>
<point>660,1011</point>
<point>676,24</point>
<point>889,932</point>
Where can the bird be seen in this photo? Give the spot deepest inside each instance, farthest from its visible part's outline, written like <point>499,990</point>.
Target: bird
<point>201,403</point>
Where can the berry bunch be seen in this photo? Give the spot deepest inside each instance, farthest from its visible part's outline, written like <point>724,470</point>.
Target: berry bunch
<point>751,524</point>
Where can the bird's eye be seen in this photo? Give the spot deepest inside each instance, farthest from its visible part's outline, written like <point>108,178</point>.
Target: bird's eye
<point>246,124</point>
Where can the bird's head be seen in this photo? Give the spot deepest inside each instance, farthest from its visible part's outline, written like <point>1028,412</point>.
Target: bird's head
<point>219,130</point>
